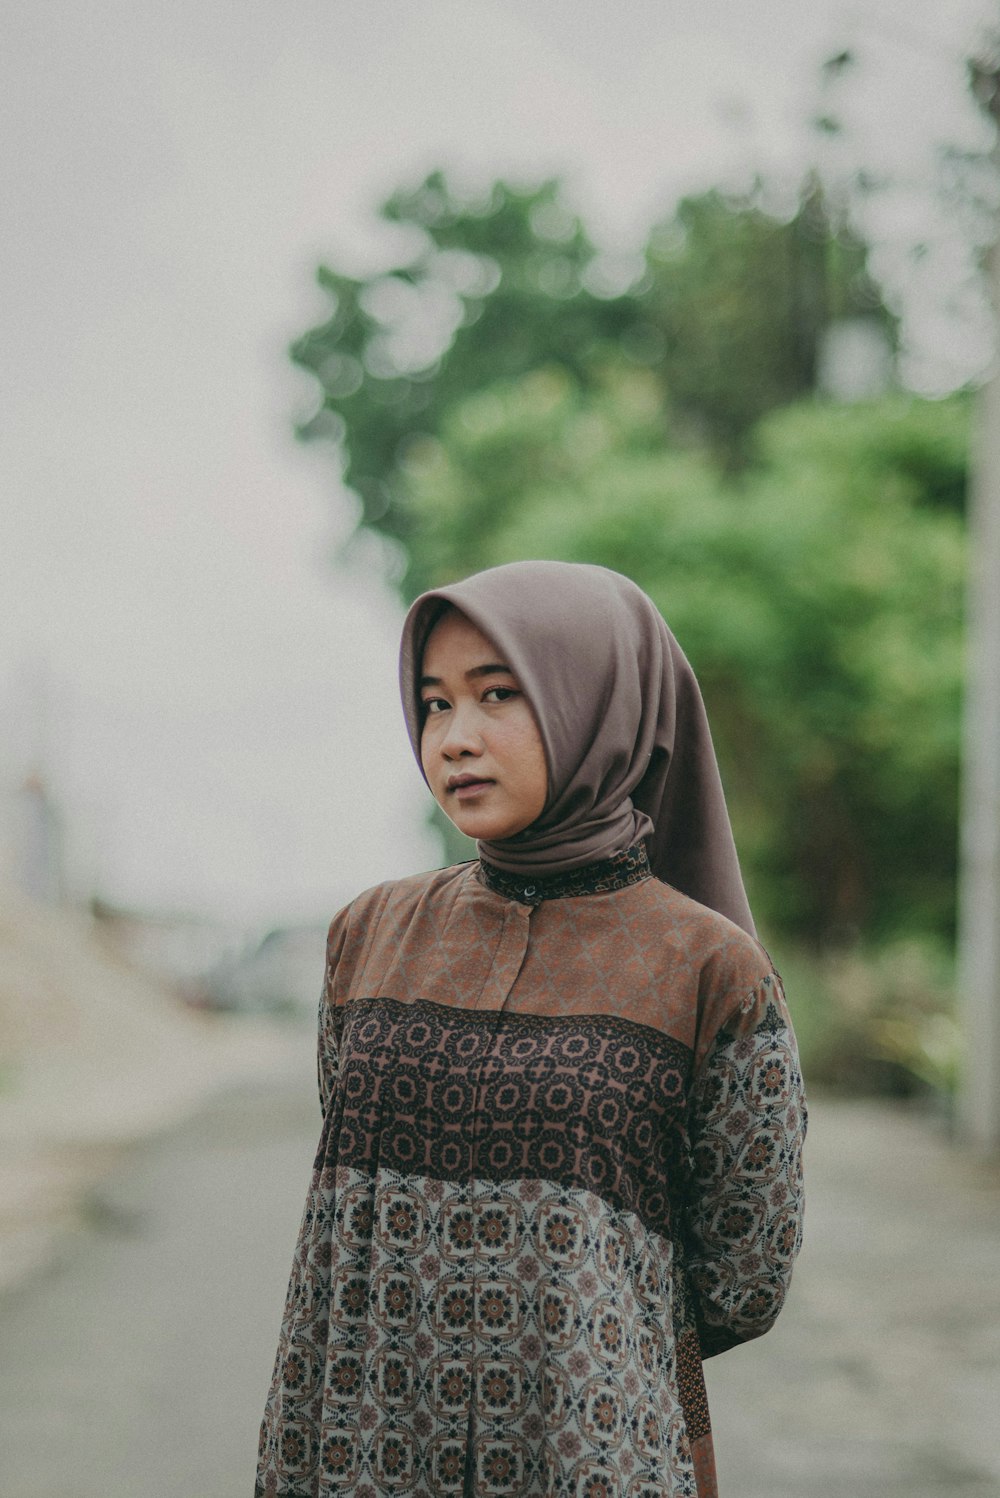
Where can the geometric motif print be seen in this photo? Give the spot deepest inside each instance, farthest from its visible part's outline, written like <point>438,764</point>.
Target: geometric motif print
<point>617,872</point>
<point>593,1103</point>
<point>748,1127</point>
<point>501,1338</point>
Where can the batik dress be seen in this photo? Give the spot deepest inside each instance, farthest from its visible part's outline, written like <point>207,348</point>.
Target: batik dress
<point>560,1164</point>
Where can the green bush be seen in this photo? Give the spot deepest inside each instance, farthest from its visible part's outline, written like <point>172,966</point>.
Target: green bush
<point>877,1021</point>
<point>819,598</point>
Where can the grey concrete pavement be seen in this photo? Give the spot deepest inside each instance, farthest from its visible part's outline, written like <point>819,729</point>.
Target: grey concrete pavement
<point>138,1368</point>
<point>882,1376</point>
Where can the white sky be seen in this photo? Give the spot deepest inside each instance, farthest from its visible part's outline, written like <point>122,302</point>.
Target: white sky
<point>216,703</point>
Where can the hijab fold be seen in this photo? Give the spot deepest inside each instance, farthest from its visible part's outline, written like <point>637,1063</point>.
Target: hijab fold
<point>621,718</point>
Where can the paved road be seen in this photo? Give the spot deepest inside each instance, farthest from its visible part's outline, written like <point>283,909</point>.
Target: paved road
<point>138,1368</point>
<point>882,1377</point>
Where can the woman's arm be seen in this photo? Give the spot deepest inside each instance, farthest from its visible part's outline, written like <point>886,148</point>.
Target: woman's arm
<point>330,1015</point>
<point>350,937</point>
<point>748,1123</point>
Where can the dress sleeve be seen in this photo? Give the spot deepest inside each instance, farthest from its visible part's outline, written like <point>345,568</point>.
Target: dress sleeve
<point>330,1013</point>
<point>748,1124</point>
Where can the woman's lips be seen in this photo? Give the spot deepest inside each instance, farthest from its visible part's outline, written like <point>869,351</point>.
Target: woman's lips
<point>464,790</point>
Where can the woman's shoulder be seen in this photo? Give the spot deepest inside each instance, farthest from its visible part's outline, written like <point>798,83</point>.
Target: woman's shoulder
<point>725,954</point>
<point>409,891</point>
<point>389,908</point>
<point>740,993</point>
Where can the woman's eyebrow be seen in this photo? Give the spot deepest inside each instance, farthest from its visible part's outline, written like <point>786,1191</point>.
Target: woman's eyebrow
<point>490,669</point>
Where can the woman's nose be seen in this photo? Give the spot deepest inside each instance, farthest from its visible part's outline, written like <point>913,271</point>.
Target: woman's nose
<point>462,735</point>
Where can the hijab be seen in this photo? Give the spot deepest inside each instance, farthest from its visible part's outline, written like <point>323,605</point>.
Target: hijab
<point>621,719</point>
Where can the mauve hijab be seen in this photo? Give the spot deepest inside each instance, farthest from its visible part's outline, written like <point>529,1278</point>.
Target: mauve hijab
<point>621,719</point>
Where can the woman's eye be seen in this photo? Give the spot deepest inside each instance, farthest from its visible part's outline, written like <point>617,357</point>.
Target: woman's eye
<point>434,705</point>
<point>498,694</point>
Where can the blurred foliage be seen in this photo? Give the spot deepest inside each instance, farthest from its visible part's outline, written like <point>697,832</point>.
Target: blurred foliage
<point>509,392</point>
<point>740,299</point>
<point>877,1019</point>
<point>726,309</point>
<point>818,596</point>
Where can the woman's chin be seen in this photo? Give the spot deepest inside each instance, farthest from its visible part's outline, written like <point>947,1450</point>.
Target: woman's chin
<point>485,829</point>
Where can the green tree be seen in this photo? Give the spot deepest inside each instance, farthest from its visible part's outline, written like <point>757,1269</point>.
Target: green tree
<point>727,317</point>
<point>818,596</point>
<point>739,300</point>
<point>495,287</point>
<point>495,401</point>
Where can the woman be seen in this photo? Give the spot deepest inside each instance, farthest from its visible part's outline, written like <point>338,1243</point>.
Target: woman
<point>560,1158</point>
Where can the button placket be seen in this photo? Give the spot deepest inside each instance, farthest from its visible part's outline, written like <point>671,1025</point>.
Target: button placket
<point>508,960</point>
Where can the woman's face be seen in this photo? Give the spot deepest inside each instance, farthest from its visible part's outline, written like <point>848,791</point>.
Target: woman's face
<point>480,746</point>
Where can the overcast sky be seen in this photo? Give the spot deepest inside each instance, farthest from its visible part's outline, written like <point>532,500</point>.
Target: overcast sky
<point>214,703</point>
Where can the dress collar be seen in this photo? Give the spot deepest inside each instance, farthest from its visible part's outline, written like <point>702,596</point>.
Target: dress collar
<point>618,872</point>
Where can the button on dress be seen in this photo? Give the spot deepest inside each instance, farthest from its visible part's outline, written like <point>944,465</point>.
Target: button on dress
<point>560,1164</point>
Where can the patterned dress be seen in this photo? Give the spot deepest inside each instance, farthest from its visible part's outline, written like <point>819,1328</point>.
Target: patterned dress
<point>560,1164</point>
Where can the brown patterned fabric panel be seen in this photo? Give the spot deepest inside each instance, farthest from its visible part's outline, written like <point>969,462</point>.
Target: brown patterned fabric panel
<point>618,872</point>
<point>691,1386</point>
<point>593,1103</point>
<point>703,1457</point>
<point>645,952</point>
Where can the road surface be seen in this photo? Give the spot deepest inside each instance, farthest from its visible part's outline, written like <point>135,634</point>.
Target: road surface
<point>138,1367</point>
